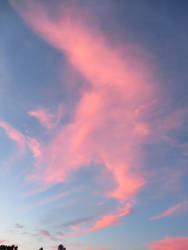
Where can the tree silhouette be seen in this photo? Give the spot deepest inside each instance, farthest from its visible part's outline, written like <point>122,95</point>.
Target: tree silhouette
<point>61,247</point>
<point>5,247</point>
<point>13,247</point>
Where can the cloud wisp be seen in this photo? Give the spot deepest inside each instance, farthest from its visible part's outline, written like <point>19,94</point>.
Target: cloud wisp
<point>110,219</point>
<point>170,243</point>
<point>18,138</point>
<point>47,120</point>
<point>14,135</point>
<point>21,140</point>
<point>48,200</point>
<point>172,211</point>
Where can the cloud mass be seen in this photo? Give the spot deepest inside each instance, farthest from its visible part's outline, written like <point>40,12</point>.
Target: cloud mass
<point>109,124</point>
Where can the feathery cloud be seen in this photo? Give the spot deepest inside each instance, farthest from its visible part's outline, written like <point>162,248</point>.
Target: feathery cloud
<point>47,119</point>
<point>109,125</point>
<point>172,211</point>
<point>170,243</point>
<point>14,135</point>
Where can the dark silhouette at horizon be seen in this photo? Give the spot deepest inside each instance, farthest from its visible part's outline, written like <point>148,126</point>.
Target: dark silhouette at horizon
<point>13,247</point>
<point>5,247</point>
<point>61,247</point>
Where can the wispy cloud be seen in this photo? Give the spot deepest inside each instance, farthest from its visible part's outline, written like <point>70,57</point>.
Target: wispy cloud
<point>48,200</point>
<point>34,146</point>
<point>44,233</point>
<point>172,211</point>
<point>20,142</point>
<point>14,135</point>
<point>169,243</point>
<point>109,125</point>
<point>77,222</point>
<point>114,90</point>
<point>109,220</point>
<point>47,119</point>
<point>112,119</point>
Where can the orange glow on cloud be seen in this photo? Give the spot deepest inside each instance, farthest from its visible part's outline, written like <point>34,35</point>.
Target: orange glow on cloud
<point>107,127</point>
<point>178,208</point>
<point>176,243</point>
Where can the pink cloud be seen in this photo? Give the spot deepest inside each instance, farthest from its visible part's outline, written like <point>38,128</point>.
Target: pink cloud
<point>109,125</point>
<point>20,141</point>
<point>109,220</point>
<point>44,233</point>
<point>46,119</point>
<point>76,222</point>
<point>178,208</point>
<point>100,223</point>
<point>176,243</point>
<point>14,135</point>
<point>34,146</point>
<point>105,114</point>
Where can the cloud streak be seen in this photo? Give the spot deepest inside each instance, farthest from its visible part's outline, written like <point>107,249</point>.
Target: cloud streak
<point>47,119</point>
<point>21,140</point>
<point>18,138</point>
<point>14,135</point>
<point>48,200</point>
<point>169,243</point>
<point>44,233</point>
<point>109,220</point>
<point>172,211</point>
<point>77,222</point>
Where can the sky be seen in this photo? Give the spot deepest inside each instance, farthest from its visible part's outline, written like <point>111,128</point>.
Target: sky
<point>93,124</point>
